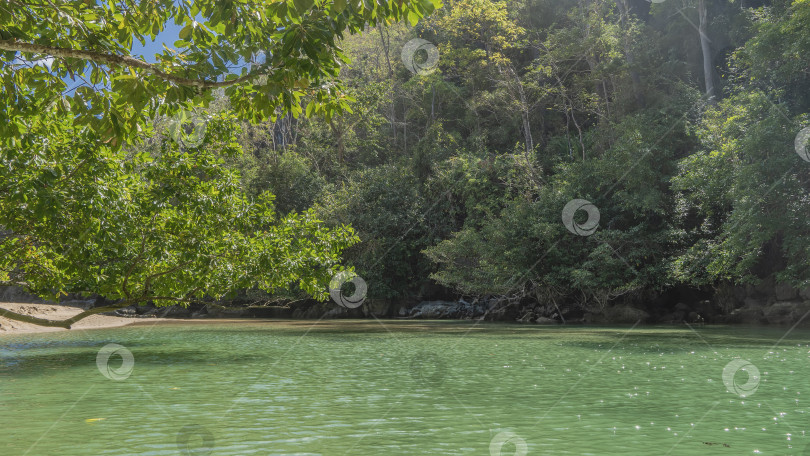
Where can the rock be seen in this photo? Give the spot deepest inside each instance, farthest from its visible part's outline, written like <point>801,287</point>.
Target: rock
<point>336,312</point>
<point>545,321</point>
<point>80,303</point>
<point>377,308</point>
<point>129,311</point>
<point>765,287</point>
<point>805,293</point>
<point>739,294</point>
<point>681,307</point>
<point>625,314</point>
<point>528,317</point>
<point>785,292</point>
<point>175,311</point>
<point>753,303</point>
<point>786,312</point>
<point>269,311</point>
<point>403,312</point>
<point>17,294</point>
<point>745,315</point>
<point>434,309</point>
<point>594,318</point>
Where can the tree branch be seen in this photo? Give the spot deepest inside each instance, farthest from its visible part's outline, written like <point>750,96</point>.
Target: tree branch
<point>96,310</point>
<point>61,323</point>
<point>117,60</point>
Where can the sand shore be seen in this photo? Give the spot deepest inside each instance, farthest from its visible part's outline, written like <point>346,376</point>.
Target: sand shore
<point>55,312</point>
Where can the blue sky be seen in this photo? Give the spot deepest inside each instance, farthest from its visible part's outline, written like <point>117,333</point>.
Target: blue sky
<point>168,36</point>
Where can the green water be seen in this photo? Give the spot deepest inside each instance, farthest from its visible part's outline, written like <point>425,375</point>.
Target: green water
<point>403,388</point>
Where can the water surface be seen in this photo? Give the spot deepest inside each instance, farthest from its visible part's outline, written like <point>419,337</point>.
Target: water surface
<point>405,388</point>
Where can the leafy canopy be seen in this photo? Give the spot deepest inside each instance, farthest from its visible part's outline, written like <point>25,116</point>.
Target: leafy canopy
<point>168,226</point>
<point>75,58</point>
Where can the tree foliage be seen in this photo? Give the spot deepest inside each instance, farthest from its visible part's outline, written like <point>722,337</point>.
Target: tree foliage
<point>170,226</point>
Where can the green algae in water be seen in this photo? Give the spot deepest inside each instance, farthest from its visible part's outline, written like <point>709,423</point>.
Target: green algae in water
<point>405,388</point>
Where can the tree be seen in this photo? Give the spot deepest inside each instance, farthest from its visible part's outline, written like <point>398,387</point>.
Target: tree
<point>706,50</point>
<point>170,226</point>
<point>84,207</point>
<point>47,45</point>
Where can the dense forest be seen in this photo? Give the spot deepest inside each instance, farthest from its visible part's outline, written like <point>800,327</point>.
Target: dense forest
<point>574,154</point>
<point>677,120</point>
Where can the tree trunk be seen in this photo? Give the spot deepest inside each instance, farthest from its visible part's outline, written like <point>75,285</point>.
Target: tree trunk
<point>385,41</point>
<point>338,132</point>
<point>524,114</point>
<point>705,46</point>
<point>624,14</point>
<point>67,323</point>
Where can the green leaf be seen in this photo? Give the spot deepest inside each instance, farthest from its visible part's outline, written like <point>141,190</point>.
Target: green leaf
<point>413,18</point>
<point>303,6</point>
<point>185,33</point>
<point>338,6</point>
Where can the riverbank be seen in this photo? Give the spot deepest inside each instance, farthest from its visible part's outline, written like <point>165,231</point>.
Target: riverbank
<point>55,312</point>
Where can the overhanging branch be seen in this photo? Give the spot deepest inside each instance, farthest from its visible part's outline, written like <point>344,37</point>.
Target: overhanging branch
<point>117,60</point>
<point>96,310</point>
<point>61,323</point>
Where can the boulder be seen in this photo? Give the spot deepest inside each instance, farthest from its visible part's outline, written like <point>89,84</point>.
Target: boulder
<point>785,292</point>
<point>80,303</point>
<point>434,309</point>
<point>805,293</point>
<point>681,307</point>
<point>754,303</point>
<point>765,287</point>
<point>17,294</point>
<point>528,317</point>
<point>336,312</point>
<point>377,308</point>
<point>625,314</point>
<point>745,315</point>
<point>129,311</point>
<point>175,311</point>
<point>618,314</point>
<point>786,312</point>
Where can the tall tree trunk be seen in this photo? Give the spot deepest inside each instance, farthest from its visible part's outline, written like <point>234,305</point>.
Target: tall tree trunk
<point>705,46</point>
<point>624,15</point>
<point>386,45</point>
<point>338,132</point>
<point>524,114</point>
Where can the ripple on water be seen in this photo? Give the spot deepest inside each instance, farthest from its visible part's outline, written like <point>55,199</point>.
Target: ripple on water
<point>354,388</point>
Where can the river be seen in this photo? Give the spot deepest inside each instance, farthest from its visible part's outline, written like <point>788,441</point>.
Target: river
<point>368,387</point>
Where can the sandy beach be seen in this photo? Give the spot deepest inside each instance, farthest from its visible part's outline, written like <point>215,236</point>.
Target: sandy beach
<point>55,312</point>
